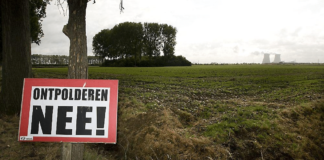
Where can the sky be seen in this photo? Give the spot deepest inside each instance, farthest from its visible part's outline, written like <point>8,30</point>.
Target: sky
<point>221,31</point>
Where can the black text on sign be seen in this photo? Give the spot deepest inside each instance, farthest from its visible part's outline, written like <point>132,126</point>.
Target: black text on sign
<point>69,112</point>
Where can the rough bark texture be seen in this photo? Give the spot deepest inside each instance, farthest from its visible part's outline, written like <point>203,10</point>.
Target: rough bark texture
<point>16,53</point>
<point>76,31</point>
<point>78,61</point>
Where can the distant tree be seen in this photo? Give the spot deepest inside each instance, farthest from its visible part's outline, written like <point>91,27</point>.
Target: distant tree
<point>122,41</point>
<point>152,39</point>
<point>168,39</point>
<point>101,44</point>
<point>128,39</point>
<point>135,40</point>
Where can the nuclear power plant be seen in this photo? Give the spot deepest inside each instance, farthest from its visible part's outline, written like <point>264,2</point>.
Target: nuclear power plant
<point>277,58</point>
<point>266,58</point>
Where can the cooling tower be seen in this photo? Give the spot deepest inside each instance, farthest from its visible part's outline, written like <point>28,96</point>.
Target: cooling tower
<point>277,58</point>
<point>266,58</point>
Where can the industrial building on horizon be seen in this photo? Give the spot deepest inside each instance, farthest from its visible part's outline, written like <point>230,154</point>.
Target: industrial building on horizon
<point>266,58</point>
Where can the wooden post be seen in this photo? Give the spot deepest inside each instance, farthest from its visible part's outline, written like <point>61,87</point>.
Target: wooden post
<point>66,151</point>
<point>72,151</point>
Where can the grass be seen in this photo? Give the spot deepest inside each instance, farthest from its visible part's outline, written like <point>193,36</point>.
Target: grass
<point>203,112</point>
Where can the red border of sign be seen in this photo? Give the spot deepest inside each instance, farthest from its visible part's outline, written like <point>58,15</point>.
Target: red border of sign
<point>25,107</point>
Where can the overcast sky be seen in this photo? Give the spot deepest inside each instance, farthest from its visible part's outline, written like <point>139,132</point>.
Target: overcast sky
<point>222,31</point>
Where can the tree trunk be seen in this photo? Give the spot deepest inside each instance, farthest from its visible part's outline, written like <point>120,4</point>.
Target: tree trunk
<point>16,53</point>
<point>78,61</point>
<point>76,31</point>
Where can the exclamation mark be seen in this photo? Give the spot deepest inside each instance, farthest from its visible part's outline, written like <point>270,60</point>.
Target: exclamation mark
<point>101,112</point>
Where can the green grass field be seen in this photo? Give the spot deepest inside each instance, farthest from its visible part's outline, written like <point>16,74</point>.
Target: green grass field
<point>205,112</point>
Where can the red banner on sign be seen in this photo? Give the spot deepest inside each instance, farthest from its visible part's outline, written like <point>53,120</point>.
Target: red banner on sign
<point>69,110</point>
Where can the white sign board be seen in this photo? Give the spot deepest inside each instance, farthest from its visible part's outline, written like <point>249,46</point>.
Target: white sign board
<point>69,110</point>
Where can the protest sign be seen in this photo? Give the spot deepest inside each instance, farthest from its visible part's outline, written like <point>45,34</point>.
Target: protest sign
<point>69,110</point>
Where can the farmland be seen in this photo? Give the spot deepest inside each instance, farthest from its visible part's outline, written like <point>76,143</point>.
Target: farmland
<point>202,112</point>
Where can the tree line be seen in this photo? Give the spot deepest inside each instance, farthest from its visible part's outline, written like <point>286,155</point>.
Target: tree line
<point>127,43</point>
<point>38,59</point>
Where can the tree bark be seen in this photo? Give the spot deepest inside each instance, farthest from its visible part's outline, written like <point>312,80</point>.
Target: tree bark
<point>75,30</point>
<point>16,64</point>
